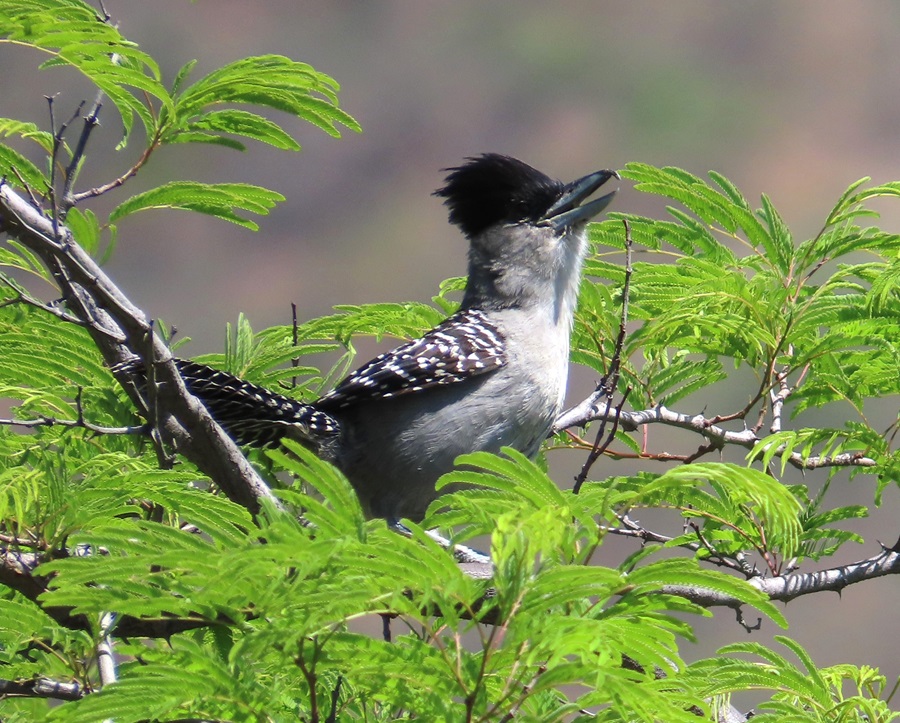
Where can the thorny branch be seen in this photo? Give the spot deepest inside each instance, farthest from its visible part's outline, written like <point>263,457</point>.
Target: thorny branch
<point>785,588</point>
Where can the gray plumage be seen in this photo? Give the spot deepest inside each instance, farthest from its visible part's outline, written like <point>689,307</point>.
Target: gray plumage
<point>490,376</point>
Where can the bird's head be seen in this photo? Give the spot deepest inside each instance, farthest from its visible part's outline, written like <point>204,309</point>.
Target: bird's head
<point>526,229</point>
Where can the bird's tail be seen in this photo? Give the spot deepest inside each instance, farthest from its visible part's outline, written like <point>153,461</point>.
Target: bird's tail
<point>249,414</point>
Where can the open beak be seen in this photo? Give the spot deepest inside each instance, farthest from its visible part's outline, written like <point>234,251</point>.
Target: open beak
<point>568,212</point>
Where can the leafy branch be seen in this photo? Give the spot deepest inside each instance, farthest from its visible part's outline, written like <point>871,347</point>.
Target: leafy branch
<point>108,542</point>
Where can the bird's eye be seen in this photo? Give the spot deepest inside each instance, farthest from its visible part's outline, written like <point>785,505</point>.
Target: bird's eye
<point>522,209</point>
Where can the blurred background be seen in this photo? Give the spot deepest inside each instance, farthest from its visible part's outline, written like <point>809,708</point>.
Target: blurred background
<point>796,100</point>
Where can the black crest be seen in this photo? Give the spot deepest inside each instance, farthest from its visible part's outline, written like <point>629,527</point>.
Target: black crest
<point>491,189</point>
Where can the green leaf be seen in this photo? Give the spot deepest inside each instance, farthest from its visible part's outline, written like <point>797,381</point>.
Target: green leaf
<point>799,693</point>
<point>717,210</point>
<point>214,199</point>
<point>28,131</point>
<point>268,80</point>
<point>17,256</point>
<point>149,692</point>
<point>339,513</point>
<point>18,171</point>
<point>782,244</point>
<point>85,227</point>
<point>236,122</point>
<point>73,35</point>
<point>744,496</point>
<point>850,206</point>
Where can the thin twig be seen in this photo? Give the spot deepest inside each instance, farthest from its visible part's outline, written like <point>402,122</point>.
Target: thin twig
<point>25,185</point>
<point>91,121</point>
<point>630,528</point>
<point>106,17</point>
<point>335,699</point>
<point>765,383</point>
<point>739,613</point>
<point>523,696</point>
<point>610,381</point>
<point>295,338</point>
<point>23,298</point>
<point>107,187</point>
<point>51,191</point>
<point>31,543</point>
<point>72,423</point>
<point>715,556</point>
<point>598,449</point>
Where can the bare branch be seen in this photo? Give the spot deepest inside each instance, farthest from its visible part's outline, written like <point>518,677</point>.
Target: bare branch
<point>106,654</point>
<point>76,423</point>
<point>785,588</point>
<point>40,688</point>
<point>593,409</point>
<point>91,121</point>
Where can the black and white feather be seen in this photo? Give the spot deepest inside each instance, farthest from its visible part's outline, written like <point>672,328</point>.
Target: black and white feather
<point>465,345</point>
<point>249,413</point>
<point>252,414</point>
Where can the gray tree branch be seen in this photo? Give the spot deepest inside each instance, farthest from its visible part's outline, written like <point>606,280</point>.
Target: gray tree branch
<point>110,316</point>
<point>597,408</point>
<point>789,587</point>
<point>40,688</point>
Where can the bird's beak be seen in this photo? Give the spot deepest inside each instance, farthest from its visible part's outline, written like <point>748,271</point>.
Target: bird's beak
<point>568,212</point>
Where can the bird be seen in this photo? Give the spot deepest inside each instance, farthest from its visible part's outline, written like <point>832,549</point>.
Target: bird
<point>491,375</point>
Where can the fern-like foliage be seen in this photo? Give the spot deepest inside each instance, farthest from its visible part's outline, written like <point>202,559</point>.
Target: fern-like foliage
<point>276,615</point>
<point>803,693</point>
<point>807,319</point>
